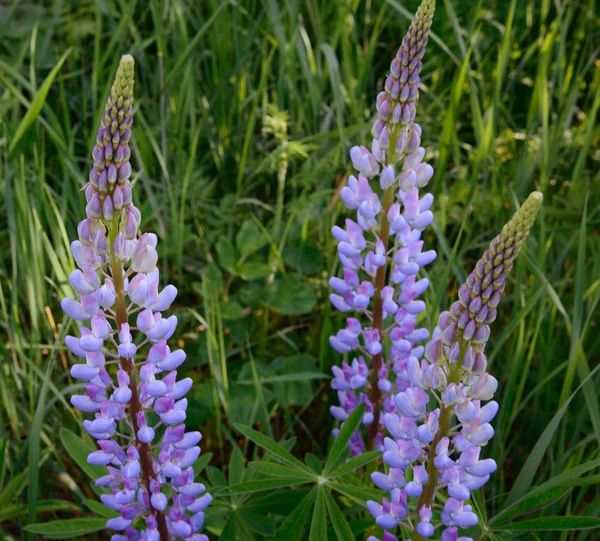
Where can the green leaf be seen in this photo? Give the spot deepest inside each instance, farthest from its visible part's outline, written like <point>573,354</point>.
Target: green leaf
<point>258,523</point>
<point>37,102</point>
<point>303,256</point>
<point>260,485</point>
<point>249,239</point>
<point>355,463</point>
<point>253,271</point>
<point>276,470</point>
<point>13,488</point>
<point>232,311</point>
<point>79,451</point>
<point>67,529</point>
<point>226,253</point>
<point>228,533</point>
<point>216,477</point>
<point>277,503</point>
<point>277,450</point>
<point>340,525</point>
<point>213,279</point>
<point>359,494</point>
<point>292,527</point>
<point>290,296</point>
<point>318,526</point>
<point>340,443</point>
<point>202,462</point>
<point>552,523</point>
<point>236,466</point>
<point>530,503</point>
<point>100,509</point>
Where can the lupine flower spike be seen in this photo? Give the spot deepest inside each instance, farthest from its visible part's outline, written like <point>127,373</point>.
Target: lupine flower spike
<point>382,251</point>
<point>133,394</point>
<point>425,453</point>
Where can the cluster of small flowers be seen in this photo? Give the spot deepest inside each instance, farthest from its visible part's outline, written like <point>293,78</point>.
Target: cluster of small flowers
<point>424,453</point>
<point>150,479</point>
<point>389,305</point>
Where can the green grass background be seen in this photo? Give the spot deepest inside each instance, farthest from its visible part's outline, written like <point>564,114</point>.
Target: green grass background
<point>245,114</point>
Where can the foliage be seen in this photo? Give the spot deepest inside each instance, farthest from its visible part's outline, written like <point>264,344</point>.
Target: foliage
<point>244,120</point>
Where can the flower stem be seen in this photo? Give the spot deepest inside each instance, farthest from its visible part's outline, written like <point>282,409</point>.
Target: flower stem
<point>375,395</point>
<point>127,365</point>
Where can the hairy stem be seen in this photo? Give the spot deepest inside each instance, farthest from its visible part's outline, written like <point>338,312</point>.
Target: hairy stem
<point>134,404</point>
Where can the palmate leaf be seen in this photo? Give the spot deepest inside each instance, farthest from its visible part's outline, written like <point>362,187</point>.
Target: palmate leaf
<point>318,526</point>
<point>338,521</point>
<point>277,470</point>
<point>340,443</point>
<point>292,527</point>
<point>278,452</point>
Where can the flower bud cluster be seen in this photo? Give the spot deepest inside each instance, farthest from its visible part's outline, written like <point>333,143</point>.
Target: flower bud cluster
<point>128,369</point>
<point>381,251</point>
<point>108,192</point>
<point>424,453</point>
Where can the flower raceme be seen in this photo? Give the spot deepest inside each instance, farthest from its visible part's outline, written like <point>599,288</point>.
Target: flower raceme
<point>130,372</point>
<point>381,253</point>
<point>424,453</point>
<point>386,234</point>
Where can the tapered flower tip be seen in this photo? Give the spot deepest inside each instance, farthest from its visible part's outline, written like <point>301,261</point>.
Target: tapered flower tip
<point>123,85</point>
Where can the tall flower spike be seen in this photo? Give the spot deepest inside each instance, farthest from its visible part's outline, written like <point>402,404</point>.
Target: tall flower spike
<point>382,251</point>
<point>423,445</point>
<point>151,479</point>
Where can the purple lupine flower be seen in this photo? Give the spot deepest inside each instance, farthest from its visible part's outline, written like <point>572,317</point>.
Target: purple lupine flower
<point>151,479</point>
<point>381,251</point>
<point>422,445</point>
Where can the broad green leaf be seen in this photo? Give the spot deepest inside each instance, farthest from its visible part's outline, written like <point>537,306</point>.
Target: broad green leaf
<point>249,239</point>
<point>38,102</point>
<point>292,527</point>
<point>290,296</point>
<point>253,271</point>
<point>355,463</point>
<point>340,443</point>
<point>527,473</point>
<point>530,503</point>
<point>67,529</point>
<point>226,253</point>
<point>303,256</point>
<point>232,311</point>
<point>340,525</point>
<point>318,526</point>
<point>552,523</point>
<point>213,279</point>
<point>277,470</point>
<point>266,443</point>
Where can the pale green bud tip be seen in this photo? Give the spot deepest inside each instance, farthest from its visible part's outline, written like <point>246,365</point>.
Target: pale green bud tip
<point>522,221</point>
<point>123,85</point>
